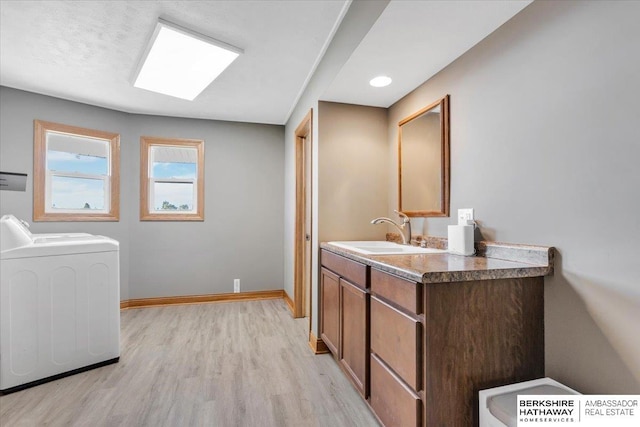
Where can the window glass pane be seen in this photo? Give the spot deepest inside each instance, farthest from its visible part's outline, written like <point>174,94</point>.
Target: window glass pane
<point>174,170</point>
<point>77,193</point>
<point>63,161</point>
<point>173,196</point>
<point>173,162</point>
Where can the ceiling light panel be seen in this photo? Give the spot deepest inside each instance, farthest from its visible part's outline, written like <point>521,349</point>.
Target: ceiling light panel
<point>182,63</point>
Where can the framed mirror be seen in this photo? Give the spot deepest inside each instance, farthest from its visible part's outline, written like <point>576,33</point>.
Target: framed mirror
<point>423,161</point>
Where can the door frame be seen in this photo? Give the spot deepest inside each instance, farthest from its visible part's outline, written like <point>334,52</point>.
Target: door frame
<point>302,133</point>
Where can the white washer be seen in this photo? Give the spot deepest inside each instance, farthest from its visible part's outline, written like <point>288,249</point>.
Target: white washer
<point>498,405</point>
<point>59,304</point>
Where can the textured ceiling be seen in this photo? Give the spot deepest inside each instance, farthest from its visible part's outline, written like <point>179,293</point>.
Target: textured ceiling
<point>88,51</point>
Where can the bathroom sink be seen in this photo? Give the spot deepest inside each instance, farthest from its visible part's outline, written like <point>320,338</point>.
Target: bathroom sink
<point>385,248</point>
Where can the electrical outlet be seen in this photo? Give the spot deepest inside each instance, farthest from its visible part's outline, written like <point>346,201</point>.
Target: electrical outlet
<point>236,286</point>
<point>465,215</point>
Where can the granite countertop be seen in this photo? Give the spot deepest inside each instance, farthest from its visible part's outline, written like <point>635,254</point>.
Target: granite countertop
<point>494,261</point>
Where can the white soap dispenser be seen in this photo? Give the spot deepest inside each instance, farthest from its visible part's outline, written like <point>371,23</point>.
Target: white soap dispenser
<point>460,237</point>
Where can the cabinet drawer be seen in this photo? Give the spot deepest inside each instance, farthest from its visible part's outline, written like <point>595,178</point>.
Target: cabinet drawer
<point>354,272</point>
<point>396,339</point>
<point>402,292</point>
<point>392,401</point>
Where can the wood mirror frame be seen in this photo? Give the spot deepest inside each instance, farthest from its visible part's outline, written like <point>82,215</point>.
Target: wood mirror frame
<point>416,180</point>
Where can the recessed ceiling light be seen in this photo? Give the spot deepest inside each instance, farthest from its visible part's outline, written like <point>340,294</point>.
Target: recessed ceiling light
<point>181,63</point>
<point>380,81</point>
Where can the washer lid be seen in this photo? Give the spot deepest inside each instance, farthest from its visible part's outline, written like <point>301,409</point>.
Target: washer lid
<point>70,244</point>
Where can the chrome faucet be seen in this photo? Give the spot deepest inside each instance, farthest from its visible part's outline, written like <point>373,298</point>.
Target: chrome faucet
<point>404,228</point>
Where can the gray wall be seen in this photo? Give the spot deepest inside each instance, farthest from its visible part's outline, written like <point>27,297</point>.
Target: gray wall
<point>242,235</point>
<point>545,147</point>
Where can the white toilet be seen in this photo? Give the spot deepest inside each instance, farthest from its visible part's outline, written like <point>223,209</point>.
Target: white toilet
<point>498,405</point>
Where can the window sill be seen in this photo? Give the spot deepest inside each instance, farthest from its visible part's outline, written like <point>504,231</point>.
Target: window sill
<point>61,217</point>
<point>171,217</point>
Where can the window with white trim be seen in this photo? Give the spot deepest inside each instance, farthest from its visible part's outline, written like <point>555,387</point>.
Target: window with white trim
<point>172,179</point>
<point>75,173</point>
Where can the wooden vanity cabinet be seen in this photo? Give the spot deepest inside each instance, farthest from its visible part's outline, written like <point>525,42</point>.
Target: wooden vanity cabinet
<point>419,353</point>
<point>344,315</point>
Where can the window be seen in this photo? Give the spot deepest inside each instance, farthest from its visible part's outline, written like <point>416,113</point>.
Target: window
<point>171,179</point>
<point>76,174</point>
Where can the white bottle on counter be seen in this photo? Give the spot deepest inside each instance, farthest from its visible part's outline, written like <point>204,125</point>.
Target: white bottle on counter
<point>461,239</point>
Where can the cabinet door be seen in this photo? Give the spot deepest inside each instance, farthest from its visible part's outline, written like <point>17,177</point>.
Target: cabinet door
<point>330,310</point>
<point>354,357</point>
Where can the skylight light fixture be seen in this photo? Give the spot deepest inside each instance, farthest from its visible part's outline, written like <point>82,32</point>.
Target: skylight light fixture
<point>380,81</point>
<point>182,63</point>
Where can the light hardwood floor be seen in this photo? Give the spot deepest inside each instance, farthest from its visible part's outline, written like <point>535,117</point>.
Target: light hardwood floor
<point>221,364</point>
